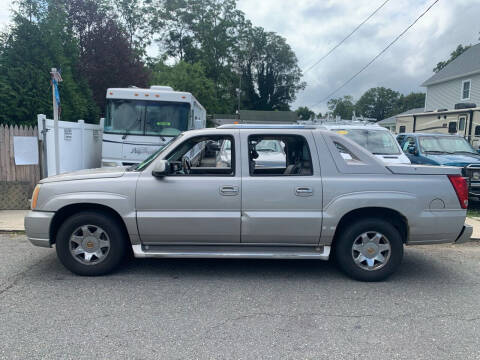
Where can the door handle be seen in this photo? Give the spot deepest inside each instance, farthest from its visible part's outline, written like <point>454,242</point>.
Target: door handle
<point>229,190</point>
<point>304,191</point>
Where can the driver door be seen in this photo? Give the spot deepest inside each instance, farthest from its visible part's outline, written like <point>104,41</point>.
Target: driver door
<point>200,205</point>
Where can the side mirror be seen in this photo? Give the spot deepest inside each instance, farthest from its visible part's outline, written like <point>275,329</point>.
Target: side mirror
<point>161,169</point>
<point>412,150</point>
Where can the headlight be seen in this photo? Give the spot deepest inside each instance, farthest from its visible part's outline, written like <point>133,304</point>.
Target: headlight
<point>476,175</point>
<point>35,197</point>
<point>109,164</point>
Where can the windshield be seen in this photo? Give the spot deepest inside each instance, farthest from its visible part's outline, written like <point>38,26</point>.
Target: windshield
<point>269,145</point>
<point>378,142</point>
<point>445,144</point>
<point>148,160</point>
<point>139,117</point>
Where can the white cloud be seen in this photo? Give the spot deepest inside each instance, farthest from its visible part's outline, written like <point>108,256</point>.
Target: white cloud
<point>313,27</point>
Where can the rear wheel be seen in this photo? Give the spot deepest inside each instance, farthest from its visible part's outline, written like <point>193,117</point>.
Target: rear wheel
<point>91,243</point>
<point>369,250</point>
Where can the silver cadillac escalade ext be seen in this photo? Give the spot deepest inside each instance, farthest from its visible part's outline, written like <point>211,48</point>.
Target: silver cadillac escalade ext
<point>331,196</point>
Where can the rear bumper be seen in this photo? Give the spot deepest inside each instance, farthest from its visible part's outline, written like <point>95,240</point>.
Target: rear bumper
<point>37,227</point>
<point>465,234</point>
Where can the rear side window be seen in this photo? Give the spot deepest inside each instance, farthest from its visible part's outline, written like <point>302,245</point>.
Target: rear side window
<point>347,155</point>
<point>279,155</point>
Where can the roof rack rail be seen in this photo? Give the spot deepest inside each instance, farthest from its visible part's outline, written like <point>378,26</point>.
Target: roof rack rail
<point>266,126</point>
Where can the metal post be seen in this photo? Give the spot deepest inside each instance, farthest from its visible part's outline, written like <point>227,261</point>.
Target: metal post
<point>55,126</point>
<point>44,140</point>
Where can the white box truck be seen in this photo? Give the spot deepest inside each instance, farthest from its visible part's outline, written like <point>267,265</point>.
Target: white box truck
<point>140,121</point>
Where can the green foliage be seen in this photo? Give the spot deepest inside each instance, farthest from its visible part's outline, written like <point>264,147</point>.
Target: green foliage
<point>378,103</point>
<point>304,113</point>
<point>453,55</point>
<point>216,34</point>
<point>410,101</point>
<point>102,43</point>
<point>270,74</point>
<point>38,40</point>
<point>342,107</point>
<point>191,78</point>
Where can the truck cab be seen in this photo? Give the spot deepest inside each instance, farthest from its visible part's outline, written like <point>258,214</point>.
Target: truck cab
<point>140,121</point>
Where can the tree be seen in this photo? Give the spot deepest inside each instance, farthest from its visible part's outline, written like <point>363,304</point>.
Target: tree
<point>271,76</point>
<point>106,55</point>
<point>304,113</point>
<point>38,40</point>
<point>453,55</point>
<point>342,107</point>
<point>410,101</point>
<point>234,54</point>
<point>378,103</point>
<point>191,78</point>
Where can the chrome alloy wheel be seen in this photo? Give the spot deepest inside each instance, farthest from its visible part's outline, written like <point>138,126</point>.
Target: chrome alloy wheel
<point>371,250</point>
<point>89,244</point>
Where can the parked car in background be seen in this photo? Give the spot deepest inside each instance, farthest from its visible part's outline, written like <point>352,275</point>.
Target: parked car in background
<point>357,206</point>
<point>441,149</point>
<point>266,153</point>
<point>375,138</point>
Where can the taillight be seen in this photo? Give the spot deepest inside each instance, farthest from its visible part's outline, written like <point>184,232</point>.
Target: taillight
<point>461,188</point>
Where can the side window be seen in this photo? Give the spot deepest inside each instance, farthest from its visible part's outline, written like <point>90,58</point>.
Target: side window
<point>477,130</point>
<point>204,155</point>
<point>279,155</point>
<point>347,155</point>
<point>452,127</point>
<point>402,129</point>
<point>408,143</point>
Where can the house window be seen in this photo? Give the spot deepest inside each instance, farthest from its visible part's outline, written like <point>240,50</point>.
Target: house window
<point>466,89</point>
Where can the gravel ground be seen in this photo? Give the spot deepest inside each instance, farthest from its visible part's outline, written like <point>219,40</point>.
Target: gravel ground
<point>238,309</point>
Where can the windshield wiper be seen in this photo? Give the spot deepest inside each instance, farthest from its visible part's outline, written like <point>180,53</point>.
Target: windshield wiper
<point>436,152</point>
<point>463,152</point>
<point>127,132</point>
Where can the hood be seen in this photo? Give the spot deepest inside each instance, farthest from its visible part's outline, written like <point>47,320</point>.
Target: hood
<point>107,172</point>
<point>454,159</point>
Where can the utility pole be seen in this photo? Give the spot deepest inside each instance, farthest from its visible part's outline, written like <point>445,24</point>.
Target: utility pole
<point>239,94</point>
<point>56,78</point>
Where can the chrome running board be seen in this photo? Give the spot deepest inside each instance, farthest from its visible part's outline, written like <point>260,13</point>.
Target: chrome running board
<point>232,252</point>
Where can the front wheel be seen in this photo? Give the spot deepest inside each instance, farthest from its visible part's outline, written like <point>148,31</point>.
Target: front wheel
<point>369,250</point>
<point>90,243</point>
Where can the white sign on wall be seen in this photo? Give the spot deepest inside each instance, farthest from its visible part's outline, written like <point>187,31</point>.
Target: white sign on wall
<point>25,149</point>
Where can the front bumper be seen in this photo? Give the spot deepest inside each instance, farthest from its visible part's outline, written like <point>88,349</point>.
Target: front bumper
<point>37,227</point>
<point>465,234</point>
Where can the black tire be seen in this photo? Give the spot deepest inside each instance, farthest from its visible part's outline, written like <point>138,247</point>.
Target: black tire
<point>344,254</point>
<point>110,226</point>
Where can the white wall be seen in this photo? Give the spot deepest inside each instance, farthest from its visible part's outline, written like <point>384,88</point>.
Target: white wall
<point>80,145</point>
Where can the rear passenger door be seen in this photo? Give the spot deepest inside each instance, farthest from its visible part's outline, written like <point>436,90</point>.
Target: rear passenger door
<point>281,188</point>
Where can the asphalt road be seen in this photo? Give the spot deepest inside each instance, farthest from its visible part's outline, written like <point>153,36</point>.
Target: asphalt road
<point>219,309</point>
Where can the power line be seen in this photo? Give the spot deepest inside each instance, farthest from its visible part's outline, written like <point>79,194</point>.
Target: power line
<point>376,56</point>
<point>345,38</point>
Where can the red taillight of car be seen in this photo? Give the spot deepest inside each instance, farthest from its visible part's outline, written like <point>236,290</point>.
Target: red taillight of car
<point>459,183</point>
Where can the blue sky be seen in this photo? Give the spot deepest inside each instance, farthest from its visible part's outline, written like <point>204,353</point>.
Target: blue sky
<point>312,27</point>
